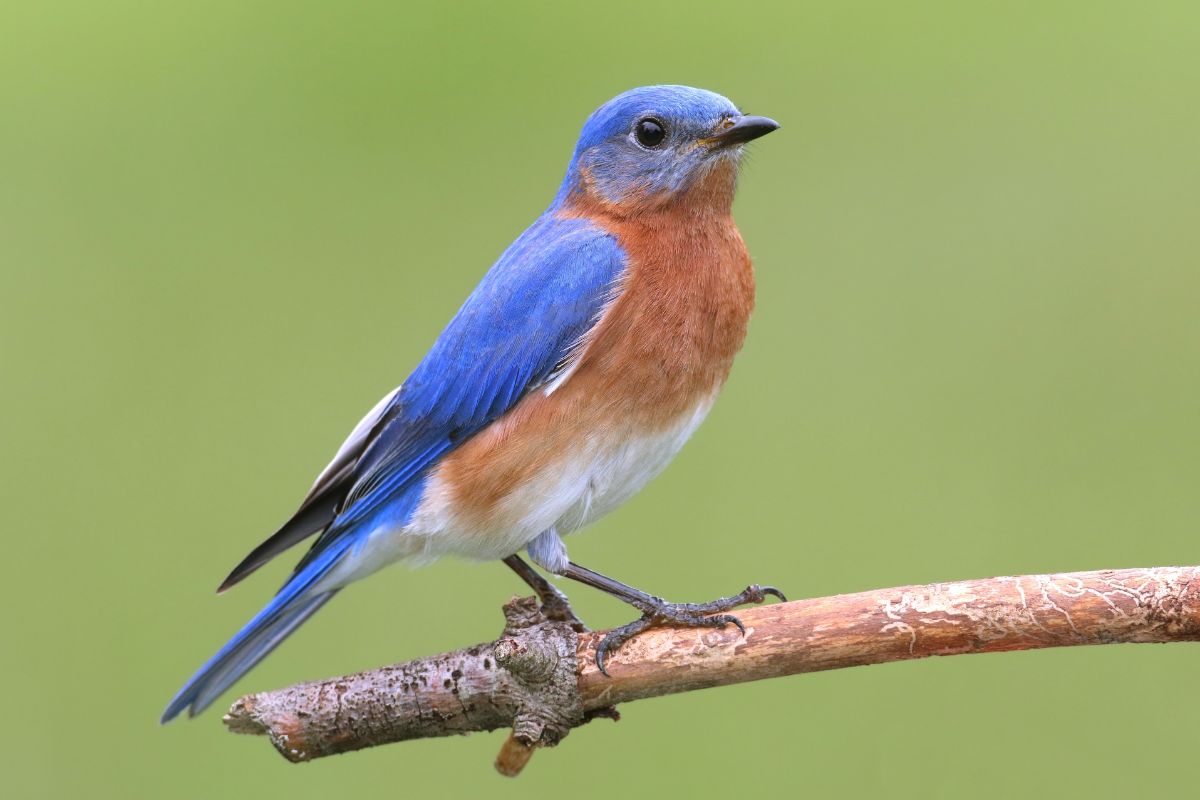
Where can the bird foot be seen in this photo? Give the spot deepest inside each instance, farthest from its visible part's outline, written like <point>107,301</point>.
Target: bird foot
<point>658,613</point>
<point>557,608</point>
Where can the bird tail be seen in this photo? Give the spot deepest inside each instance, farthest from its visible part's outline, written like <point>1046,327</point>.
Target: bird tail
<point>294,603</point>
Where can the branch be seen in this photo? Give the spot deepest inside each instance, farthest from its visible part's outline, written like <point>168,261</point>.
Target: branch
<point>541,680</point>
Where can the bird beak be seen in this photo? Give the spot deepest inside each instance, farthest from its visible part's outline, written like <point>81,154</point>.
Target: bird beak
<point>739,130</point>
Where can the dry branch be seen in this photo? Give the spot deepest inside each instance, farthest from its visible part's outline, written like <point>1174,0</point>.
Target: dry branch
<point>540,677</point>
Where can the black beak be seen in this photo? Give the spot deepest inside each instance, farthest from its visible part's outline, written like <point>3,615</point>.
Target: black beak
<point>743,129</point>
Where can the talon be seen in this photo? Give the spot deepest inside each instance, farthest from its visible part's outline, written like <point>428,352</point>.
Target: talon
<point>729,618</point>
<point>600,651</point>
<point>771,590</point>
<point>656,612</point>
<point>617,637</point>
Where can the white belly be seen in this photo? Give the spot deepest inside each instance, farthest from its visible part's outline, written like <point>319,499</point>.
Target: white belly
<point>593,478</point>
<point>591,484</point>
<point>596,477</point>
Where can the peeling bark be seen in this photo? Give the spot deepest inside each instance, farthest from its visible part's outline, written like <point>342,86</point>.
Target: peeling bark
<point>541,680</point>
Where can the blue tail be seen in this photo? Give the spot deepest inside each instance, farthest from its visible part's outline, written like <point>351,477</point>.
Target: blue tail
<point>287,610</point>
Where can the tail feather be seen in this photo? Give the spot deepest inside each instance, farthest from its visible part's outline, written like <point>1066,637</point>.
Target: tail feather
<point>287,610</point>
<point>254,650</point>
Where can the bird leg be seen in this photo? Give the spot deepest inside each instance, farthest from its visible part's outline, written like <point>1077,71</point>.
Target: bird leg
<point>656,611</point>
<point>555,606</point>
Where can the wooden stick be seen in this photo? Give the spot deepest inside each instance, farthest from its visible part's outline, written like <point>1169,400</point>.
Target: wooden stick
<point>540,677</point>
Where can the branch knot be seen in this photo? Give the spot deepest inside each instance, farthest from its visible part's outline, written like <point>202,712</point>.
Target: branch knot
<point>540,657</point>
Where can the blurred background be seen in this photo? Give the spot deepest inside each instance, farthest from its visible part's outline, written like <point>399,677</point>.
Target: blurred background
<point>227,228</point>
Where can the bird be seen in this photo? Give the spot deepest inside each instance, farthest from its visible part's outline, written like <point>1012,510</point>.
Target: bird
<point>570,377</point>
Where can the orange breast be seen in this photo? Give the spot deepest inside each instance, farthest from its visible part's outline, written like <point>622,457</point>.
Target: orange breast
<point>663,347</point>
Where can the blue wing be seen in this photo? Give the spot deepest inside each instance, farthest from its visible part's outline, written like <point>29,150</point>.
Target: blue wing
<point>540,298</point>
<point>512,334</point>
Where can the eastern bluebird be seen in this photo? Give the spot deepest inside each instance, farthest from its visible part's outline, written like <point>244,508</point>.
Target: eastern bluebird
<point>572,375</point>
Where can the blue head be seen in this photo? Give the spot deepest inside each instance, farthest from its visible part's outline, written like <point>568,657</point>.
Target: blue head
<point>652,145</point>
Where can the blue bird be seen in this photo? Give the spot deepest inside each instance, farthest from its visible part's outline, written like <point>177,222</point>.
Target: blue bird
<point>570,377</point>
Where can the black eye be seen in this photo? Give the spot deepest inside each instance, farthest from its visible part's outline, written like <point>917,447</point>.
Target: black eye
<point>649,132</point>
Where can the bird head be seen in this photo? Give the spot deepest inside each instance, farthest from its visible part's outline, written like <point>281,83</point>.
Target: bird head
<point>658,145</point>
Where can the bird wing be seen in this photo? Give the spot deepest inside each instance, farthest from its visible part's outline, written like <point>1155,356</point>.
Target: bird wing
<point>319,506</point>
<point>513,334</point>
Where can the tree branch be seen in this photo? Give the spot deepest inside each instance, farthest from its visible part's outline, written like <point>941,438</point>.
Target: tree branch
<point>541,680</point>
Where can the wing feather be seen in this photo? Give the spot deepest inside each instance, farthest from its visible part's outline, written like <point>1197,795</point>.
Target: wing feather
<point>513,334</point>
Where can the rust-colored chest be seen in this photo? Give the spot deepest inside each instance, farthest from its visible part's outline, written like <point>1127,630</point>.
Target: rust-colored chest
<point>680,318</point>
<point>653,364</point>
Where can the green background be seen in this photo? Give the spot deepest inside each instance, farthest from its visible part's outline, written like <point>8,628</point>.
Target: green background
<point>227,228</point>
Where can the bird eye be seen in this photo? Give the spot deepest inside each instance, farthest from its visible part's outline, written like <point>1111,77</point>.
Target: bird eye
<point>649,132</point>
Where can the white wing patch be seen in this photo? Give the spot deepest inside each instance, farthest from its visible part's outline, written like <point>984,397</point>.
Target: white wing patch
<point>352,448</point>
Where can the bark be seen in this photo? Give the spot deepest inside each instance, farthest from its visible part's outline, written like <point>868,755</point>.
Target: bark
<point>540,678</point>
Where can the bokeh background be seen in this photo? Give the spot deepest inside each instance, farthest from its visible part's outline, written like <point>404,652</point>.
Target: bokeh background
<point>226,228</point>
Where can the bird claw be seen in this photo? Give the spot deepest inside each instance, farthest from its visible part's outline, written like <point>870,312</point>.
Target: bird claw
<point>685,615</point>
<point>771,590</point>
<point>730,619</point>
